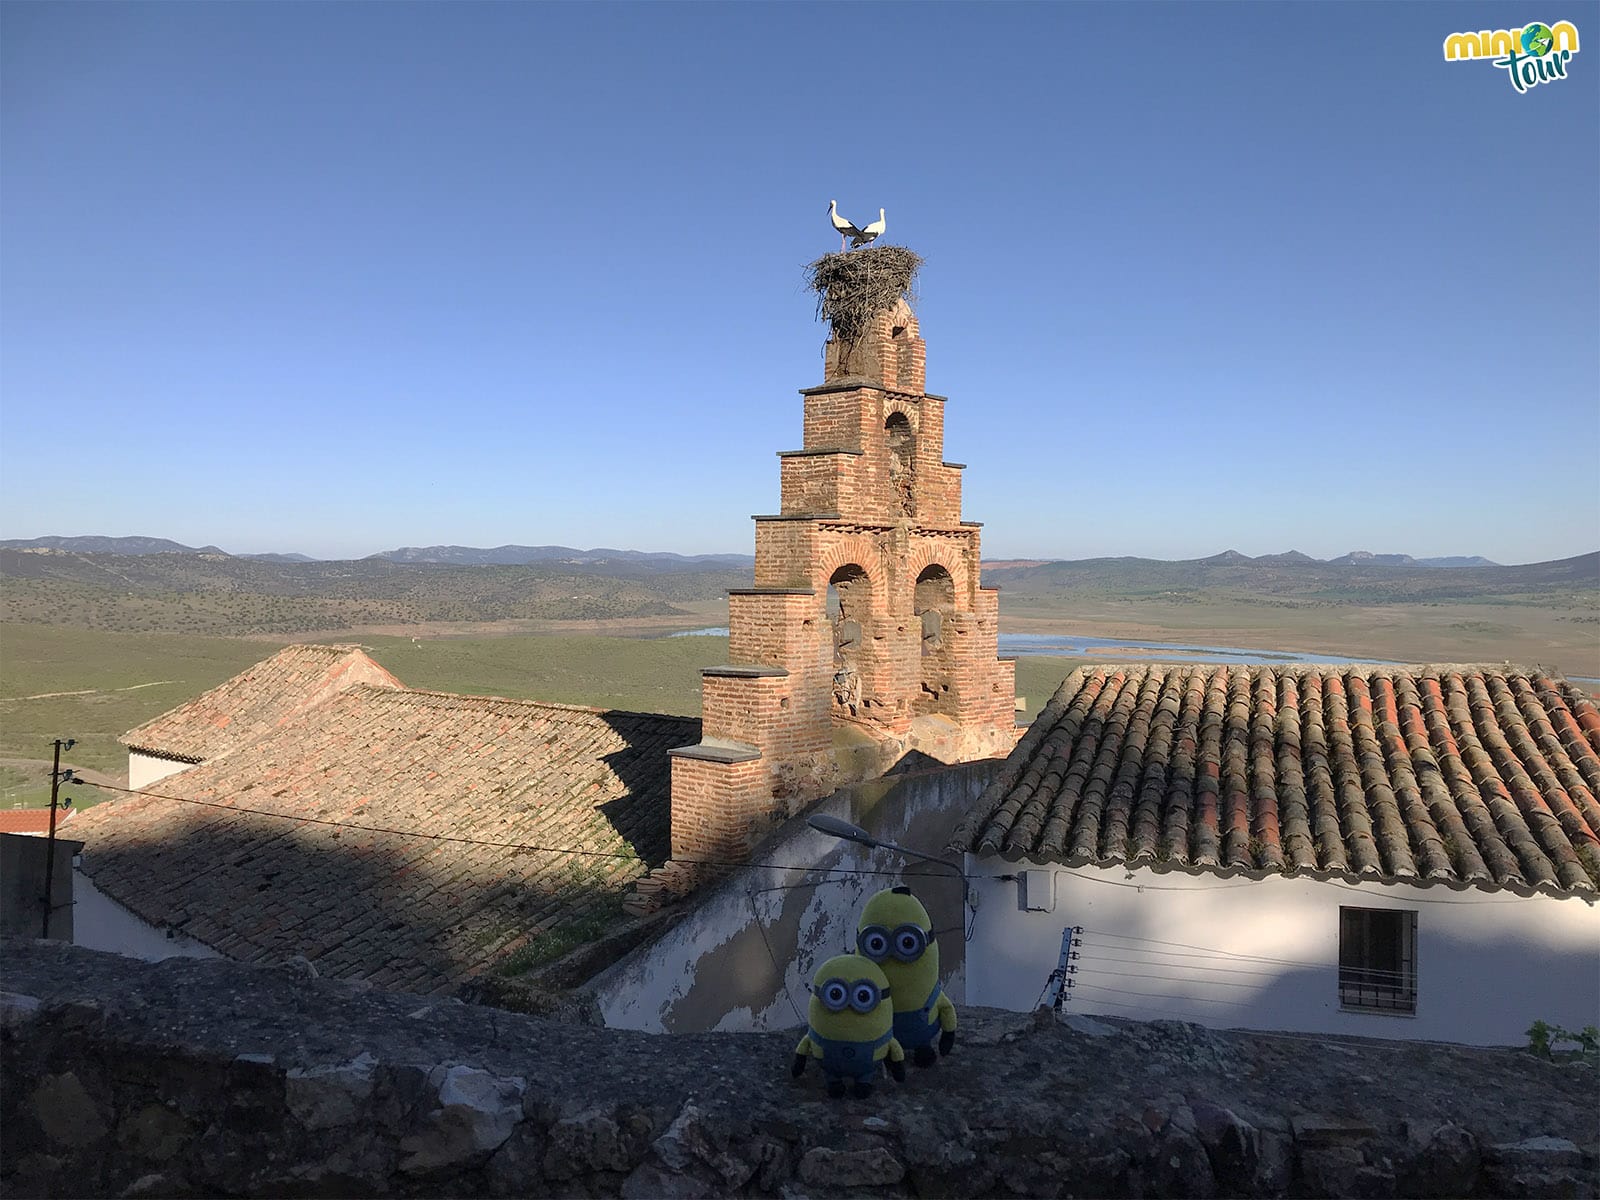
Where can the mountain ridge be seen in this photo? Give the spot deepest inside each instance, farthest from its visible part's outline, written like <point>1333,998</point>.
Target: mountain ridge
<point>513,554</point>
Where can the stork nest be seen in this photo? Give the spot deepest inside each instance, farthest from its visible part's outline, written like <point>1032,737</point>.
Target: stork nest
<point>857,285</point>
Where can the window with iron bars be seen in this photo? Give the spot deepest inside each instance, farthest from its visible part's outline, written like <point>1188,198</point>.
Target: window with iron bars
<point>1378,959</point>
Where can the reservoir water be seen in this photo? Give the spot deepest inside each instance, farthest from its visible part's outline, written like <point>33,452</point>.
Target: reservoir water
<point>1063,645</point>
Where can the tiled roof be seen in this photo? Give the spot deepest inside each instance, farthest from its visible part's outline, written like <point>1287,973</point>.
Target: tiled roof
<point>1464,774</point>
<point>255,701</point>
<point>32,820</point>
<point>414,912</point>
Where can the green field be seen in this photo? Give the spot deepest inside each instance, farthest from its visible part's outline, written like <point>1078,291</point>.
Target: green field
<point>94,685</point>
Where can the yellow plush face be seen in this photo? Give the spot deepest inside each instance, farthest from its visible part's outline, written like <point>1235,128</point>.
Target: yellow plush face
<point>896,933</point>
<point>850,1000</point>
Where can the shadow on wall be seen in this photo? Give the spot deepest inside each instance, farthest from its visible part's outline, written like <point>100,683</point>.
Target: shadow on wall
<point>420,914</point>
<point>1273,962</point>
<point>743,957</point>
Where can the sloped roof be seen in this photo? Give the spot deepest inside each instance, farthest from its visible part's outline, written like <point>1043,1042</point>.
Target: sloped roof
<point>400,903</point>
<point>32,820</point>
<point>255,701</point>
<point>1465,774</point>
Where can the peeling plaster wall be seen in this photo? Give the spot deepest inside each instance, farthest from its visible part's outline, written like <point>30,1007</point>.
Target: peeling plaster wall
<point>1489,963</point>
<point>715,969</point>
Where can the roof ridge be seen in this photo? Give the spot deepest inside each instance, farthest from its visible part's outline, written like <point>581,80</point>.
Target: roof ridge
<point>195,703</point>
<point>470,698</point>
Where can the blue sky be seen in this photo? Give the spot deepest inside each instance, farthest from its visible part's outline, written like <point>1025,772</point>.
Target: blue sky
<point>336,278</point>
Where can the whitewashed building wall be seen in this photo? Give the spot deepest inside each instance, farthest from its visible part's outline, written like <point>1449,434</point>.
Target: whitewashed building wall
<point>1488,963</point>
<point>145,769</point>
<point>100,923</point>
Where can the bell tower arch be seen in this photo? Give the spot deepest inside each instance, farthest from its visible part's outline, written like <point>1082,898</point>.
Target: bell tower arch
<point>866,635</point>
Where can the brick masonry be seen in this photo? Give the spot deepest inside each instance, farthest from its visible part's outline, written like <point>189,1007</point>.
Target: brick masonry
<point>867,612</point>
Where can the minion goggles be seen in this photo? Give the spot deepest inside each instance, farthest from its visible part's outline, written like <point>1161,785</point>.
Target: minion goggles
<point>863,995</point>
<point>905,942</point>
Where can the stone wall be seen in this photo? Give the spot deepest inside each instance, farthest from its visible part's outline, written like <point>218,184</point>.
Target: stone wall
<point>205,1077</point>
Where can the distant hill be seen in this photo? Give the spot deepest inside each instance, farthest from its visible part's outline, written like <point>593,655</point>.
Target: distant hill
<point>522,555</point>
<point>1365,558</point>
<point>1352,579</point>
<point>219,593</point>
<point>107,545</point>
<point>629,562</point>
<point>1458,560</point>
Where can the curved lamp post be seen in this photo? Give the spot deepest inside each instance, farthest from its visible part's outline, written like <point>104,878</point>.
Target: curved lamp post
<point>834,827</point>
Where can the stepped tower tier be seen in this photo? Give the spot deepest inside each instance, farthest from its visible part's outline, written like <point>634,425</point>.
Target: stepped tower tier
<point>867,634</point>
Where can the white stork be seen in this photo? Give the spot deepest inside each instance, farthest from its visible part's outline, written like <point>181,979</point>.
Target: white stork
<point>871,233</point>
<point>843,227</point>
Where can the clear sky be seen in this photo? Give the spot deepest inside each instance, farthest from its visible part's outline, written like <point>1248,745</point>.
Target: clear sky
<point>338,278</point>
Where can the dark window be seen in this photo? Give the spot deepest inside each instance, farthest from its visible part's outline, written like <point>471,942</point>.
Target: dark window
<point>1378,959</point>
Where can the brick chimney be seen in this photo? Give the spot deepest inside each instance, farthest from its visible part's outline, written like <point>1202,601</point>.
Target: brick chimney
<point>866,635</point>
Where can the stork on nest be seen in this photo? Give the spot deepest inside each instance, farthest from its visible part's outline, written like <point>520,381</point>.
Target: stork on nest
<point>847,230</point>
<point>852,288</point>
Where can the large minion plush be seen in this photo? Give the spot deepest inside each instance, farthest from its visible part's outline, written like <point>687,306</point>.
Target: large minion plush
<point>896,933</point>
<point>850,1026</point>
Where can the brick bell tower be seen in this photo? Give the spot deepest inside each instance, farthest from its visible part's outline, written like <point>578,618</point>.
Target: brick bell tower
<point>866,635</point>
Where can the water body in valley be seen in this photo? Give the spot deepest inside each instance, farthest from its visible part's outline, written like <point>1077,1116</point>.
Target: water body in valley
<point>1063,645</point>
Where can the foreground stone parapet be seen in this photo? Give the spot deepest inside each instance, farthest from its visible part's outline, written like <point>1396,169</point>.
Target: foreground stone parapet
<point>207,1077</point>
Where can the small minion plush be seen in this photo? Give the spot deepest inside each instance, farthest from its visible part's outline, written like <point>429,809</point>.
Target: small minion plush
<point>850,1026</point>
<point>896,933</point>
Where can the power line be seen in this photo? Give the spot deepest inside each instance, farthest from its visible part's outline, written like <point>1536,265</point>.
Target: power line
<point>1150,958</point>
<point>522,846</point>
<point>1100,987</point>
<point>1124,937</point>
<point>1146,962</point>
<point>1181,979</point>
<point>779,975</point>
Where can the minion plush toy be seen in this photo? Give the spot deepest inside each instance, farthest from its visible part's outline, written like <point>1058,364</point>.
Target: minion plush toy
<point>896,933</point>
<point>850,1026</point>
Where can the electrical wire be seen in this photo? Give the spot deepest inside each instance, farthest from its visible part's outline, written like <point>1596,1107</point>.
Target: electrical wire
<point>1285,962</point>
<point>779,976</point>
<point>1145,962</point>
<point>1179,979</point>
<point>521,846</point>
<point>1098,987</point>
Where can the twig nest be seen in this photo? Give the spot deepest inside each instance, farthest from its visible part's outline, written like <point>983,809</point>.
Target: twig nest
<point>857,285</point>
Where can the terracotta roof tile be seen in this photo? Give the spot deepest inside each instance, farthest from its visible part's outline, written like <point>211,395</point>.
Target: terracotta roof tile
<point>34,820</point>
<point>420,912</point>
<point>1474,775</point>
<point>255,701</point>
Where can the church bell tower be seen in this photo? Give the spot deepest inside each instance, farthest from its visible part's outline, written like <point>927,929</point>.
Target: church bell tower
<point>866,636</point>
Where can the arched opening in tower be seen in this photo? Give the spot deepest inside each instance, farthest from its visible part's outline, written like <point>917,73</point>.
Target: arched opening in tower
<point>902,460</point>
<point>849,597</point>
<point>935,604</point>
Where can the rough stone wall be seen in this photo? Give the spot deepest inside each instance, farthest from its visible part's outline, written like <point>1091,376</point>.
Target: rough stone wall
<point>206,1077</point>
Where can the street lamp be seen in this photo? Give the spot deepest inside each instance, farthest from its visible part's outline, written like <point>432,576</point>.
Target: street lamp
<point>843,830</point>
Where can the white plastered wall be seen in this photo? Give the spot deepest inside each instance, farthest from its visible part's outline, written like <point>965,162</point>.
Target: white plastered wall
<point>145,769</point>
<point>100,923</point>
<point>1489,963</point>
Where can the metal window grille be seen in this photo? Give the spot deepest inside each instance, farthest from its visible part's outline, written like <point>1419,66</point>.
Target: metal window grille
<point>1378,959</point>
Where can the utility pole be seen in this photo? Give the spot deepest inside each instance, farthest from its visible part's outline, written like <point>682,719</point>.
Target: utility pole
<point>57,778</point>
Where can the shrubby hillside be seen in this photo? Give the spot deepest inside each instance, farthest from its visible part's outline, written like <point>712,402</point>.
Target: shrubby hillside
<point>1567,582</point>
<point>214,593</point>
